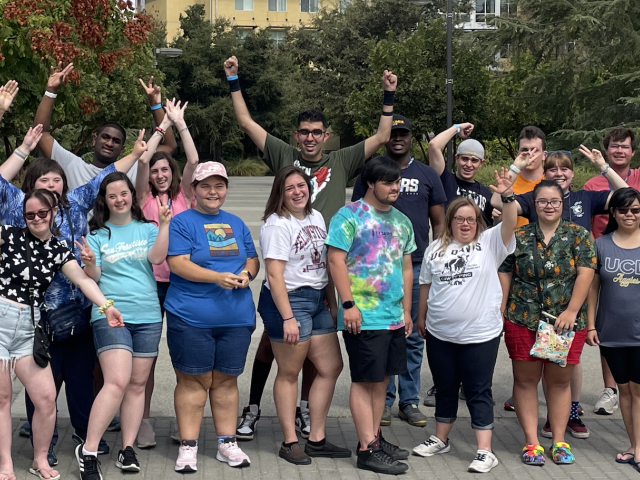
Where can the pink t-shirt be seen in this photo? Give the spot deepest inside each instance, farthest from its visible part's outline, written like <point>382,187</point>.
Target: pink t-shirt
<point>150,211</point>
<point>599,183</point>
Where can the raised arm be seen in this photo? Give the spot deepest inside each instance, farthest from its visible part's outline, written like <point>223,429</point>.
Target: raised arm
<point>382,135</point>
<point>509,209</point>
<point>257,134</point>
<point>176,115</point>
<point>596,159</point>
<point>125,163</point>
<point>57,77</point>
<point>158,252</point>
<point>8,92</point>
<point>440,141</point>
<point>12,165</point>
<point>154,95</point>
<point>142,177</point>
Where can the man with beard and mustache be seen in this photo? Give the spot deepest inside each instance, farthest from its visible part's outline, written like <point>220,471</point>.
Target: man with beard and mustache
<point>422,199</point>
<point>370,246</point>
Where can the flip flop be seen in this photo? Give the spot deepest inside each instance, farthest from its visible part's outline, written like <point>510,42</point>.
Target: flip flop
<point>36,472</point>
<point>628,460</point>
<point>635,465</point>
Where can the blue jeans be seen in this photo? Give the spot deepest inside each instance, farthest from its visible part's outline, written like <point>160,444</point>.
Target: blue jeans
<point>409,383</point>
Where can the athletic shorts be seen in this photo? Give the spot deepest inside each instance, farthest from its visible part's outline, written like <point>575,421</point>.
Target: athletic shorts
<point>376,354</point>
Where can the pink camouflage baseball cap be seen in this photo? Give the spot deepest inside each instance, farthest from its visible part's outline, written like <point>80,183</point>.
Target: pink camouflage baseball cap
<point>208,169</point>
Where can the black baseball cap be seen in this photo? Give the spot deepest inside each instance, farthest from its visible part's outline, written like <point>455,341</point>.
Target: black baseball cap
<point>400,123</point>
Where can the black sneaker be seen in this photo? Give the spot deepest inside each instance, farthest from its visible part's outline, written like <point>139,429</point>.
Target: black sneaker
<point>328,450</point>
<point>51,456</point>
<point>103,446</point>
<point>392,450</point>
<point>376,460</point>
<point>247,428</point>
<point>88,464</point>
<point>127,460</point>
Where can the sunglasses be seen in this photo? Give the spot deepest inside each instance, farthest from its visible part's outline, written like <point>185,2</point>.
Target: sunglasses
<point>566,152</point>
<point>625,210</point>
<point>39,213</point>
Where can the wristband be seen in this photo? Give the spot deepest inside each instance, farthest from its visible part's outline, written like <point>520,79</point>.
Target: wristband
<point>234,84</point>
<point>388,98</point>
<point>591,330</point>
<point>155,107</point>
<point>606,169</point>
<point>232,77</point>
<point>20,154</point>
<point>457,128</point>
<point>185,128</point>
<point>50,94</point>
<point>514,169</point>
<point>103,308</point>
<point>248,274</point>
<point>508,198</point>
<point>387,114</point>
<point>161,131</point>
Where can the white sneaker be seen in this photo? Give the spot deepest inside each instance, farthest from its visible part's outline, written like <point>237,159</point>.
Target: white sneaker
<point>484,462</point>
<point>432,447</point>
<point>187,459</point>
<point>146,435</point>
<point>607,403</point>
<point>229,452</point>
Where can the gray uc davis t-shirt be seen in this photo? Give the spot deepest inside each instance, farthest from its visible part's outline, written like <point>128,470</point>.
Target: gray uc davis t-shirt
<point>618,317</point>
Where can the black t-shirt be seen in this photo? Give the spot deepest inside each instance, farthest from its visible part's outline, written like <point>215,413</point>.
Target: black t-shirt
<point>455,187</point>
<point>578,207</point>
<point>420,188</point>
<point>46,259</point>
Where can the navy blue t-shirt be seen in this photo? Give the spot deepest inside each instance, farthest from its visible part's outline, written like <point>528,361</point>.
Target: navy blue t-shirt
<point>578,207</point>
<point>420,188</point>
<point>455,187</point>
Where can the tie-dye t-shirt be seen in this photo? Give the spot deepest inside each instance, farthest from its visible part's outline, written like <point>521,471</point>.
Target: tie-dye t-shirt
<point>375,243</point>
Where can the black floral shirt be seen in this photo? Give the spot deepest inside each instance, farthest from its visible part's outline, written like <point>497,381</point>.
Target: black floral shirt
<point>569,248</point>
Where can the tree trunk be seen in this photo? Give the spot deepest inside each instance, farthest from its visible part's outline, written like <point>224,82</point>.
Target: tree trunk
<point>7,146</point>
<point>424,154</point>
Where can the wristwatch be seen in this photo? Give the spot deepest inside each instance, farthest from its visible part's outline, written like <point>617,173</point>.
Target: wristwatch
<point>248,274</point>
<point>348,304</point>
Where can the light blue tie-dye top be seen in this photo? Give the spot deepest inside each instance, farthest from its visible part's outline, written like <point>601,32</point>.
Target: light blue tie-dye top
<point>375,242</point>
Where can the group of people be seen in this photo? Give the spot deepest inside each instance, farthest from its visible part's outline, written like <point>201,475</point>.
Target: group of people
<point>95,255</point>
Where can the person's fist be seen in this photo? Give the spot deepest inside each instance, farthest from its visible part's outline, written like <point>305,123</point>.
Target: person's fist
<point>231,66</point>
<point>389,80</point>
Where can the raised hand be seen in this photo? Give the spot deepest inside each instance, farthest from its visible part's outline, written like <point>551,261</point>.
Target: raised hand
<point>8,92</point>
<point>58,76</point>
<point>86,254</point>
<point>231,66</point>
<point>389,81</point>
<point>154,92</point>
<point>525,158</point>
<point>31,139</point>
<point>140,146</point>
<point>164,211</point>
<point>465,129</point>
<point>503,182</point>
<point>176,113</point>
<point>594,156</point>
<point>114,317</point>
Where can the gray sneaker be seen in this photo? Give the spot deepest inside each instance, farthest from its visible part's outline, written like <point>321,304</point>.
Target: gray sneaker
<point>607,403</point>
<point>430,399</point>
<point>413,416</point>
<point>386,417</point>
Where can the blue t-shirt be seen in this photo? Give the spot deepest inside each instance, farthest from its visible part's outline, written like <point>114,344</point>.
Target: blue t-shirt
<point>455,187</point>
<point>81,202</point>
<point>375,242</point>
<point>221,243</point>
<point>578,207</point>
<point>420,188</point>
<point>127,277</point>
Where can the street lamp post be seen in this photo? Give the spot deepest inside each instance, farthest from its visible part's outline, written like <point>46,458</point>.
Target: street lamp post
<point>165,52</point>
<point>449,81</point>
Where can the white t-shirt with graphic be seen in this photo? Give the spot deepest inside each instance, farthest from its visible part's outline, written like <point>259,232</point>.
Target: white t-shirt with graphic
<point>465,295</point>
<point>300,243</point>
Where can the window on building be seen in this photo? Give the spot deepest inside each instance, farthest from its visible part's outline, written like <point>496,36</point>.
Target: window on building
<point>309,6</point>
<point>244,5</point>
<point>277,36</point>
<point>485,10</point>
<point>277,5</point>
<point>508,8</point>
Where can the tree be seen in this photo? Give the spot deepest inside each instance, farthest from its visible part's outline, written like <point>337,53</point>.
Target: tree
<point>107,41</point>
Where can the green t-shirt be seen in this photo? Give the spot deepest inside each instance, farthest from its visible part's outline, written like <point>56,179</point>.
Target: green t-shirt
<point>329,176</point>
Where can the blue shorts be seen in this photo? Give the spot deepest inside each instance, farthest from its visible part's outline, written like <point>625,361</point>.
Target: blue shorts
<point>16,331</point>
<point>141,339</point>
<point>195,350</point>
<point>308,307</point>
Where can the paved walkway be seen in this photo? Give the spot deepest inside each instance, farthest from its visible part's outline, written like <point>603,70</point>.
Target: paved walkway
<point>247,197</point>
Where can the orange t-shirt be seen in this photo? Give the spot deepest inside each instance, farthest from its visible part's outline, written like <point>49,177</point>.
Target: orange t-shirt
<point>520,186</point>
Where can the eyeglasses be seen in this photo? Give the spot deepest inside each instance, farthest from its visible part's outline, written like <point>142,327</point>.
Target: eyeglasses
<point>566,152</point>
<point>317,133</point>
<point>40,213</point>
<point>616,146</point>
<point>460,220</point>
<point>625,210</point>
<point>555,203</point>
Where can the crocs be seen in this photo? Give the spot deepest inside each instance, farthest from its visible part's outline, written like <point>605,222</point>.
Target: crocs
<point>533,455</point>
<point>561,454</point>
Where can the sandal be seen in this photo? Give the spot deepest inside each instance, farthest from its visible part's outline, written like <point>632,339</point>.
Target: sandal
<point>38,473</point>
<point>561,454</point>
<point>635,465</point>
<point>619,457</point>
<point>533,455</point>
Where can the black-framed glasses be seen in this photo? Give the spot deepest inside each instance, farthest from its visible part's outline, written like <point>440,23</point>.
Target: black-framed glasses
<point>616,146</point>
<point>625,210</point>
<point>317,133</point>
<point>460,220</point>
<point>555,203</point>
<point>40,213</point>
<point>566,152</point>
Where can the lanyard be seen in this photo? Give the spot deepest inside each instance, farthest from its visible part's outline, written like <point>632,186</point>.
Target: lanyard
<point>625,180</point>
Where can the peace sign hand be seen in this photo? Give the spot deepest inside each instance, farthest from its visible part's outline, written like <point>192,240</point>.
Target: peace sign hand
<point>595,157</point>
<point>86,254</point>
<point>164,212</point>
<point>154,92</point>
<point>140,146</point>
<point>58,76</point>
<point>525,158</point>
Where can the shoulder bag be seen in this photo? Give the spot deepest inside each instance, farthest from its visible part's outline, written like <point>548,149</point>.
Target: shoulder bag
<point>41,343</point>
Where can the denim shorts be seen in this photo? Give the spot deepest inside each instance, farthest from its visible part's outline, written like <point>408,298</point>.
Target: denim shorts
<point>196,351</point>
<point>141,339</point>
<point>308,307</point>
<point>16,331</point>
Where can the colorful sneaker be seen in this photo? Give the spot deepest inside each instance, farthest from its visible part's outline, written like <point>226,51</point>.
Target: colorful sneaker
<point>430,399</point>
<point>432,446</point>
<point>577,428</point>
<point>484,462</point>
<point>607,403</point>
<point>187,457</point>
<point>561,454</point>
<point>229,452</point>
<point>385,421</point>
<point>146,435</point>
<point>413,416</point>
<point>247,428</point>
<point>303,423</point>
<point>509,406</point>
<point>88,464</point>
<point>545,431</point>
<point>127,460</point>
<point>533,455</point>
